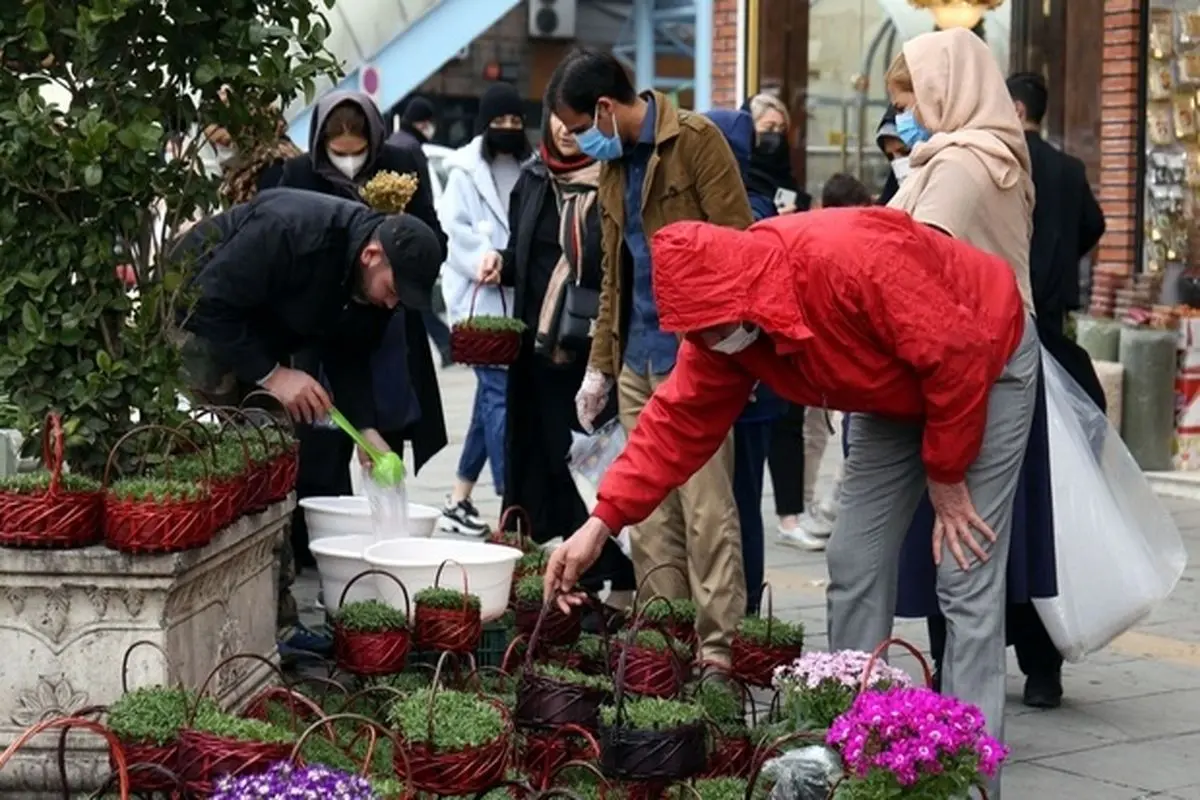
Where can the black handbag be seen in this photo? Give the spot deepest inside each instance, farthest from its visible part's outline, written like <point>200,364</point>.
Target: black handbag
<point>575,306</point>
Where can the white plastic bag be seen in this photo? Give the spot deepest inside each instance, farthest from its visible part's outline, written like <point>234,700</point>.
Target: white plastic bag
<point>389,509</point>
<point>590,457</point>
<point>1118,551</point>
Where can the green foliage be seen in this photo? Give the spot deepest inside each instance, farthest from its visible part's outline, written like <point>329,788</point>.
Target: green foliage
<point>387,788</point>
<point>591,646</point>
<point>574,677</point>
<point>722,705</point>
<point>461,720</point>
<point>38,482</point>
<point>956,780</point>
<point>216,722</point>
<point>406,682</point>
<point>533,562</point>
<point>156,490</point>
<point>772,631</point>
<point>654,640</point>
<point>663,611</point>
<point>718,789</point>
<point>153,715</point>
<point>81,183</point>
<point>531,589</point>
<point>654,714</point>
<point>490,324</point>
<point>447,599</point>
<point>370,616</point>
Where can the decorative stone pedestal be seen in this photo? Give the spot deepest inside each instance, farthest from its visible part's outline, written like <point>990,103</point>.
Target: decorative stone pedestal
<point>67,618</point>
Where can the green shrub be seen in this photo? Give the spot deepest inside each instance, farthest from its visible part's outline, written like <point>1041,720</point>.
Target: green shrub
<point>666,611</point>
<point>574,677</point>
<point>446,599</point>
<point>154,715</point>
<point>370,616</point>
<point>156,490</point>
<point>217,723</point>
<point>531,589</point>
<point>718,789</point>
<point>461,720</point>
<point>37,482</point>
<point>654,714</point>
<point>781,633</point>
<point>533,562</point>
<point>722,705</point>
<point>491,324</point>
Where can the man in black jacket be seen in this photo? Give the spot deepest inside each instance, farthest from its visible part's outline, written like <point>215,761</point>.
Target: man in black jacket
<point>294,271</point>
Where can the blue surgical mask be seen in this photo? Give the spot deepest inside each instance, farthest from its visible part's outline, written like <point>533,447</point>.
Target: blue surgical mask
<point>910,131</point>
<point>595,144</point>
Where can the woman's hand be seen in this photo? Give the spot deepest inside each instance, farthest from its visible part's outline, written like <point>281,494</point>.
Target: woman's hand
<point>954,518</point>
<point>787,208</point>
<point>490,266</point>
<point>572,558</point>
<point>377,441</point>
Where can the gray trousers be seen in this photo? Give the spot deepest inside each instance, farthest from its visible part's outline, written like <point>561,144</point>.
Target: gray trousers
<point>883,482</point>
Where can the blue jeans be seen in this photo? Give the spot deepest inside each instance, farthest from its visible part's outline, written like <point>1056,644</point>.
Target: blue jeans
<point>485,435</point>
<point>751,441</point>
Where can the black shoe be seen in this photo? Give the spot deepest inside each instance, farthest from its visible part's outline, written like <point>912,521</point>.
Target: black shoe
<point>1043,691</point>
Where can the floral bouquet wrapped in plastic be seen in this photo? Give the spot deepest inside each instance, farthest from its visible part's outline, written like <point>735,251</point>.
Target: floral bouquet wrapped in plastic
<point>288,780</point>
<point>819,687</point>
<point>913,743</point>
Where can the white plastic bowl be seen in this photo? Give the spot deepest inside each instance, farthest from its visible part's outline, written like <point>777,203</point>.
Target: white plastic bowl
<point>415,562</point>
<point>339,559</point>
<point>351,516</point>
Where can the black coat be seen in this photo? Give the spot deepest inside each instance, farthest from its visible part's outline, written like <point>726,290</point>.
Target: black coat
<point>428,433</point>
<point>274,277</point>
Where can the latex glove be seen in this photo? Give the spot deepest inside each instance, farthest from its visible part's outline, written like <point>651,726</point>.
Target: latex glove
<point>592,397</point>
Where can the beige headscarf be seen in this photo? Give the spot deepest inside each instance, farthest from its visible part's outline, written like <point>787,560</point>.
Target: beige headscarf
<point>963,101</point>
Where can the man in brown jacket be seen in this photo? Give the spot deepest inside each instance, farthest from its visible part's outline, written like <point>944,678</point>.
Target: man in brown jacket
<point>660,165</point>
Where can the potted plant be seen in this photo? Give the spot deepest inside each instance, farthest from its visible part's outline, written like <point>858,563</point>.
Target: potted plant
<point>447,620</point>
<point>649,663</point>
<point>819,687</point>
<point>52,509</point>
<point>280,455</point>
<point>147,722</point>
<point>557,629</point>
<point>550,696</point>
<point>157,515</point>
<point>285,779</point>
<point>652,739</point>
<point>762,644</point>
<point>453,743</point>
<point>723,704</point>
<point>519,537</point>
<point>486,341</point>
<point>677,618</point>
<point>369,636</point>
<point>946,749</point>
<point>591,651</point>
<point>214,744</point>
<point>224,476</point>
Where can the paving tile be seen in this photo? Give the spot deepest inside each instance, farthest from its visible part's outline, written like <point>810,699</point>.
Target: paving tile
<point>1038,782</point>
<point>1160,765</point>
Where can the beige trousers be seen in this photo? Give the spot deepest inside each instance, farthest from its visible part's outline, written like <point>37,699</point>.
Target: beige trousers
<point>696,528</point>
<point>816,437</point>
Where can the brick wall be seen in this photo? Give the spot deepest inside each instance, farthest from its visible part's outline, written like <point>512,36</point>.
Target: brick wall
<point>1119,121</point>
<point>725,44</point>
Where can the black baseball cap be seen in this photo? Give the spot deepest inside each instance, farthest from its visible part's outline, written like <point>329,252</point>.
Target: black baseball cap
<point>413,250</point>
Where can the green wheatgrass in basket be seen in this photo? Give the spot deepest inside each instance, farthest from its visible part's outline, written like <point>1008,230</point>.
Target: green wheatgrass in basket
<point>533,562</point>
<point>370,616</point>
<point>196,468</point>
<point>722,705</point>
<point>154,714</point>
<point>227,726</point>
<point>665,611</point>
<point>590,646</point>
<point>656,641</point>
<point>718,789</point>
<point>531,589</point>
<point>782,634</point>
<point>491,324</point>
<point>573,677</point>
<point>444,598</point>
<point>461,720</point>
<point>38,482</point>
<point>156,490</point>
<point>387,788</point>
<point>654,714</point>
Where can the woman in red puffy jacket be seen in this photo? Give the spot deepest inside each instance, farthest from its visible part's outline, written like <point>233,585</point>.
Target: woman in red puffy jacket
<point>923,337</point>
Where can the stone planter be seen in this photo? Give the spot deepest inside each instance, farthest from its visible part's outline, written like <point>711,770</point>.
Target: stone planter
<point>68,616</point>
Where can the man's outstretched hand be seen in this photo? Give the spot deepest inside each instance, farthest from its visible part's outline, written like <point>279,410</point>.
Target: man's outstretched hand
<point>571,559</point>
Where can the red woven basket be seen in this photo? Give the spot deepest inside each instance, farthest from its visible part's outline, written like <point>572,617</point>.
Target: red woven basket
<point>149,526</point>
<point>731,757</point>
<point>258,471</point>
<point>754,663</point>
<point>140,754</point>
<point>372,652</point>
<point>203,758</point>
<point>477,348</point>
<point>646,671</point>
<point>228,494</point>
<point>558,629</point>
<point>519,537</point>
<point>284,463</point>
<point>54,518</point>
<point>543,755</point>
<point>456,630</point>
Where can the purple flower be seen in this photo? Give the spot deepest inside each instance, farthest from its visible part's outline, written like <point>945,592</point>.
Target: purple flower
<point>285,780</point>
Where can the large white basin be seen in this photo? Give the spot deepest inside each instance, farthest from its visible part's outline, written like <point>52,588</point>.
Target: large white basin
<point>339,559</point>
<point>351,516</point>
<point>415,562</point>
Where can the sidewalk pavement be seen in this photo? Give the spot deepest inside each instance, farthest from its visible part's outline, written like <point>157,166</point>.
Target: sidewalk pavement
<point>1129,726</point>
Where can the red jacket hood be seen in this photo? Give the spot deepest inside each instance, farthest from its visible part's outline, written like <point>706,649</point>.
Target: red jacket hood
<point>707,275</point>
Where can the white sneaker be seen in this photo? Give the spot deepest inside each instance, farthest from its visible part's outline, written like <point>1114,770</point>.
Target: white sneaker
<point>462,518</point>
<point>819,523</point>
<point>801,538</point>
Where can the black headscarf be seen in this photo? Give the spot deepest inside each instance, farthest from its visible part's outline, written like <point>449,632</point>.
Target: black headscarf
<point>887,129</point>
<point>771,168</point>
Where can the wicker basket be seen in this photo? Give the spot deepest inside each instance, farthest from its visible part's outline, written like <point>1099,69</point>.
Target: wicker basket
<point>754,663</point>
<point>520,537</point>
<point>258,471</point>
<point>203,758</point>
<point>149,526</point>
<point>545,703</point>
<point>544,754</point>
<point>480,348</point>
<point>228,493</point>
<point>55,518</point>
<point>283,465</point>
<point>152,767</point>
<point>557,629</point>
<point>456,630</point>
<point>367,653</point>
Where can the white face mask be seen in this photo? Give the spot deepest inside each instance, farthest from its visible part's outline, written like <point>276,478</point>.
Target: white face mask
<point>900,168</point>
<point>737,341</point>
<point>347,165</point>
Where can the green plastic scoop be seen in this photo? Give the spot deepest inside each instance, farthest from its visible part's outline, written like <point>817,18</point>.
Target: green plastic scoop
<point>389,467</point>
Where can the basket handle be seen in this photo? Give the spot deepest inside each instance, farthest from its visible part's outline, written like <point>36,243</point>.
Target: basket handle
<point>635,625</point>
<point>239,414</point>
<point>209,442</point>
<point>637,594</point>
<point>518,512</point>
<point>226,422</point>
<point>475,294</point>
<point>112,454</point>
<point>433,687</point>
<point>290,430</point>
<point>560,733</point>
<point>114,746</point>
<point>129,654</point>
<point>547,602</point>
<point>191,716</point>
<point>881,651</point>
<point>52,450</point>
<point>437,580</point>
<point>269,693</point>
<point>397,581</point>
